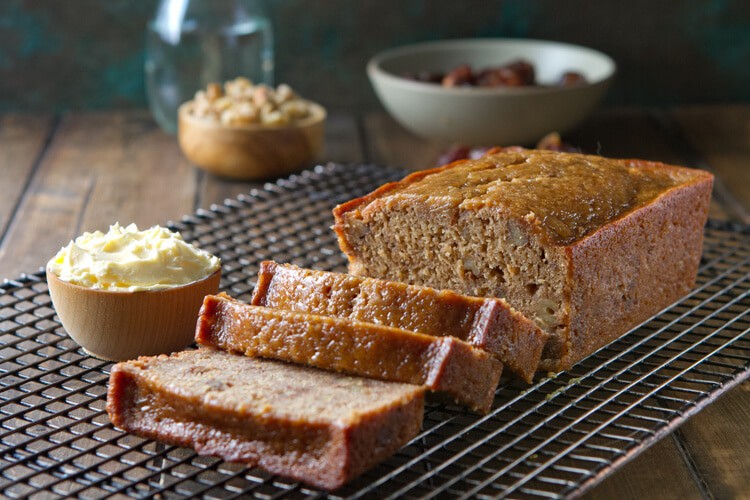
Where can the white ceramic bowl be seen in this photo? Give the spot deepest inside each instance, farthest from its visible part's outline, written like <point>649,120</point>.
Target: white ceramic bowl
<point>489,116</point>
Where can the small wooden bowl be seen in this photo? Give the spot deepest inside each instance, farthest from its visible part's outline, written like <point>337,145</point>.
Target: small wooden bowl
<point>253,151</point>
<point>124,325</point>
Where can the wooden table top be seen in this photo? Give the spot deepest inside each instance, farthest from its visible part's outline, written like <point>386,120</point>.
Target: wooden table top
<point>83,171</point>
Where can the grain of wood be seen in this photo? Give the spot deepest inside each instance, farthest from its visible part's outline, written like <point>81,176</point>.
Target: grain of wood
<point>721,134</point>
<point>718,439</point>
<point>342,145</point>
<point>22,141</point>
<point>659,472</point>
<point>624,133</point>
<point>250,153</point>
<point>117,325</point>
<point>100,168</point>
<point>387,143</point>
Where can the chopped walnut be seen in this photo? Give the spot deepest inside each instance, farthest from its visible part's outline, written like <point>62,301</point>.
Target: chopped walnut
<point>242,103</point>
<point>213,91</point>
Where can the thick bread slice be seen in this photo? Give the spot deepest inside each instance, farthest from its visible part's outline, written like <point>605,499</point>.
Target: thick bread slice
<point>314,426</point>
<point>487,323</point>
<point>446,364</point>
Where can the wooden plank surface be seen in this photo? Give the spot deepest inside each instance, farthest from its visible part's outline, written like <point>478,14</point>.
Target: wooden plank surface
<point>718,439</point>
<point>658,473</point>
<point>99,168</point>
<point>721,136</point>
<point>387,143</point>
<point>22,141</point>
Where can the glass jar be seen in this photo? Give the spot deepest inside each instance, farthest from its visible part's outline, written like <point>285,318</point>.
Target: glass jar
<point>190,43</point>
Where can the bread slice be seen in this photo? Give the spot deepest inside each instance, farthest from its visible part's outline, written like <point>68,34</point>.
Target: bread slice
<point>314,426</point>
<point>586,246</point>
<point>445,364</point>
<point>486,323</point>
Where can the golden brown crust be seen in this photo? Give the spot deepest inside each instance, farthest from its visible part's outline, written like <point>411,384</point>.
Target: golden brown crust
<point>353,347</point>
<point>325,452</point>
<point>352,205</point>
<point>266,273</point>
<point>516,341</point>
<point>486,323</point>
<point>657,250</point>
<point>610,275</point>
<point>380,435</point>
<point>564,196</point>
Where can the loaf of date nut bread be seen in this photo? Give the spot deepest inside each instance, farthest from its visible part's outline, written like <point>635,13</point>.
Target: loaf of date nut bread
<point>318,427</point>
<point>586,246</point>
<point>467,375</point>
<point>486,323</point>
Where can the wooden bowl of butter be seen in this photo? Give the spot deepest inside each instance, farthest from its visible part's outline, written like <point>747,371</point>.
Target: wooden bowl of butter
<point>248,132</point>
<point>128,293</point>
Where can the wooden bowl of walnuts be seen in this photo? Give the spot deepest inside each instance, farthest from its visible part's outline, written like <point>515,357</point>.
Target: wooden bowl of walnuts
<point>248,132</point>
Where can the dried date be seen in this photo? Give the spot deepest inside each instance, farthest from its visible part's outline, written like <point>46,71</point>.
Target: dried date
<point>518,73</point>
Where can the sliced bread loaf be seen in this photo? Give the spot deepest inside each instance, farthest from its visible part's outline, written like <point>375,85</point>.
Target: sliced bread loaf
<point>487,323</point>
<point>444,364</point>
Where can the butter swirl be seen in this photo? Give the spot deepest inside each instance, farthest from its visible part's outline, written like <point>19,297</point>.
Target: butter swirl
<point>126,259</point>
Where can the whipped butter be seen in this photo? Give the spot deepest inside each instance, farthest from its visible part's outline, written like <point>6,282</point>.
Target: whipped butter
<point>126,259</point>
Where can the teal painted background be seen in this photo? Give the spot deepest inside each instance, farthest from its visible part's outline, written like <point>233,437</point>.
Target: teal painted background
<point>88,54</point>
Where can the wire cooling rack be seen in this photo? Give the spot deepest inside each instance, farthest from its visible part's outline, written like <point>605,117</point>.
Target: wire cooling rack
<point>558,437</point>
